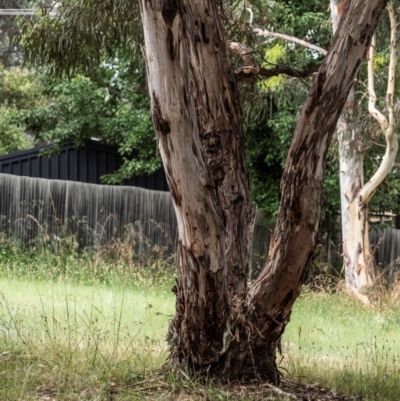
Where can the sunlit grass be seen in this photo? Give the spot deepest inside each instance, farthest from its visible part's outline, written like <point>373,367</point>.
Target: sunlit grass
<point>337,342</point>
<point>73,336</point>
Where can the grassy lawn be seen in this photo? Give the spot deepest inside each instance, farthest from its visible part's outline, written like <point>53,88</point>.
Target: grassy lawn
<point>70,339</point>
<point>336,341</point>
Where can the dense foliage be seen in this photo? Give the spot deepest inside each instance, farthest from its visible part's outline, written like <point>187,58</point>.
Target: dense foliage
<point>110,104</point>
<point>17,92</point>
<point>272,113</point>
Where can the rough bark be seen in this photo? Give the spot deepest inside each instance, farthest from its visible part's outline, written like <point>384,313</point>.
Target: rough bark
<point>198,121</point>
<point>218,327</point>
<point>295,235</point>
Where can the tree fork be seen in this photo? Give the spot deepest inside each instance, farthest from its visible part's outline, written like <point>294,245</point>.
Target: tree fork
<point>219,327</point>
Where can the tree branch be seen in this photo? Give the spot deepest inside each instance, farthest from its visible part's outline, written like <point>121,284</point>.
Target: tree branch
<point>252,70</point>
<point>388,127</point>
<point>371,89</point>
<point>264,32</point>
<point>291,72</point>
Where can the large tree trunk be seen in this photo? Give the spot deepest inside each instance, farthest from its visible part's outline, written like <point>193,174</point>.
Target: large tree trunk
<point>198,121</point>
<point>218,327</point>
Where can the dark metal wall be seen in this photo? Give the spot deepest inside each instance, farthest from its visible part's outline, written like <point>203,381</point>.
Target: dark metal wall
<point>87,164</point>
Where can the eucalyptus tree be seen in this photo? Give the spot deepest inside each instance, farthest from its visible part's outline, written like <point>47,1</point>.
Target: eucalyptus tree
<point>358,262</point>
<point>9,56</point>
<point>220,327</point>
<point>355,194</point>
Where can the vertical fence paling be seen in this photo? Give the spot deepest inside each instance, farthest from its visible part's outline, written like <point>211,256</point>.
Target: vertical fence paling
<point>33,208</point>
<point>36,208</point>
<point>386,249</point>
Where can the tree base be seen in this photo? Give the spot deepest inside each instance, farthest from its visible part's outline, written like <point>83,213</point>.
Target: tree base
<point>242,362</point>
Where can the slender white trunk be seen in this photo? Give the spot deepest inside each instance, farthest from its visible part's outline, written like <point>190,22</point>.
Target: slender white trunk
<point>358,262</point>
<point>357,258</point>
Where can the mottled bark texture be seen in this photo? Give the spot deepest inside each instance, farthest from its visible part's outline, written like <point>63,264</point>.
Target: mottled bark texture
<point>295,235</point>
<point>219,326</point>
<point>358,262</point>
<point>198,120</point>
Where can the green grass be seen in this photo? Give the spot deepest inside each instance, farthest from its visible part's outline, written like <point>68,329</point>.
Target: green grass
<point>71,339</point>
<point>334,340</point>
<point>85,327</point>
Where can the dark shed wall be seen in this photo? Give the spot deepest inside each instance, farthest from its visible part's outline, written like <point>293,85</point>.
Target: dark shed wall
<point>86,164</point>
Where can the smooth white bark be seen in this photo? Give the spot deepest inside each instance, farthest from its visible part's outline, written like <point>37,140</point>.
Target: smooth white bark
<point>355,195</point>
<point>357,259</point>
<point>387,124</point>
<point>293,39</point>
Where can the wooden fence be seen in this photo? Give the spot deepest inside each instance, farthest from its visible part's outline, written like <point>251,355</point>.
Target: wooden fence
<point>386,249</point>
<point>35,208</point>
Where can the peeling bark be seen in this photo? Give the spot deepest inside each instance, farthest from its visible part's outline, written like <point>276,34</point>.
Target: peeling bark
<point>198,121</point>
<point>220,328</point>
<point>358,262</point>
<point>295,235</point>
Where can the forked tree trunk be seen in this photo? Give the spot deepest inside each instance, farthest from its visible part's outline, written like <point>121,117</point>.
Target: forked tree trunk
<point>220,328</point>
